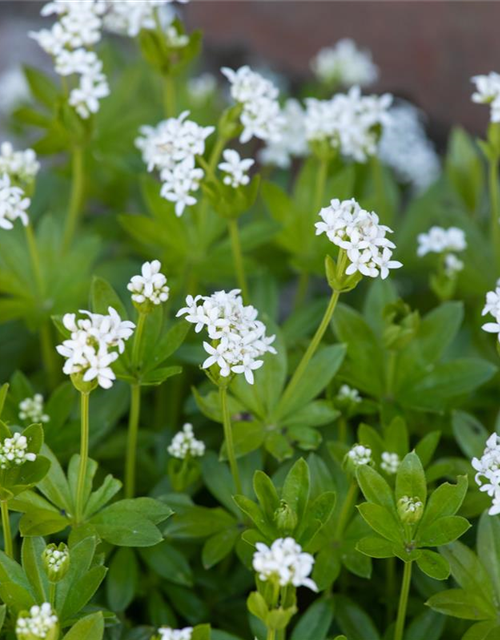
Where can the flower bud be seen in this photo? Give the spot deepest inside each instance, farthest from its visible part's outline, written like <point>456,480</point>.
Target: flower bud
<point>401,325</point>
<point>284,518</point>
<point>39,622</point>
<point>410,510</point>
<point>56,561</point>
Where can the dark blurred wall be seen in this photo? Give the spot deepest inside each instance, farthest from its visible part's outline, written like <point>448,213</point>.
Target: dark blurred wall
<point>426,51</point>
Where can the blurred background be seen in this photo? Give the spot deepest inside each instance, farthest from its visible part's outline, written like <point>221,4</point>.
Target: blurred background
<point>426,51</point>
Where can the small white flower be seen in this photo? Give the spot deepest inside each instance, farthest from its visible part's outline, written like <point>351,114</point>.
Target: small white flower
<point>390,462</point>
<point>130,17</point>
<point>85,98</point>
<point>235,168</point>
<point>202,87</point>
<point>31,409</point>
<point>292,142</point>
<point>284,562</point>
<point>14,452</point>
<point>348,393</point>
<point>37,623</point>
<point>13,204</point>
<point>179,184</point>
<point>184,444</point>
<point>166,633</point>
<point>150,286</point>
<point>488,92</point>
<point>452,264</point>
<point>488,467</point>
<point>19,165</point>
<point>345,64</point>
<point>359,455</point>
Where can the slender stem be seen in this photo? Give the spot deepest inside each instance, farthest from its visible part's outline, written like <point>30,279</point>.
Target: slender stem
<point>7,534</point>
<point>228,436</point>
<point>75,203</point>
<point>210,167</point>
<point>35,259</point>
<point>391,588</point>
<point>301,292</point>
<point>320,184</point>
<point>403,601</point>
<point>84,455</point>
<point>494,208</point>
<point>346,510</point>
<point>52,593</point>
<point>271,634</point>
<point>135,411</point>
<point>169,100</point>
<point>133,429</point>
<point>380,190</point>
<point>238,258</point>
<point>311,349</point>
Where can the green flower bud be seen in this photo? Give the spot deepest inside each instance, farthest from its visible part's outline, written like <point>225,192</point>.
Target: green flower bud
<point>410,510</point>
<point>401,325</point>
<point>284,518</point>
<point>56,561</point>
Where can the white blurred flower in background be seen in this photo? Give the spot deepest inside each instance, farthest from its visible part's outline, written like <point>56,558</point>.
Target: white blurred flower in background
<point>345,64</point>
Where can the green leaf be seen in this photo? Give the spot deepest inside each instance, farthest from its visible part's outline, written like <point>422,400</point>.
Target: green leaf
<point>250,509</point>
<point>461,604</point>
<point>464,168</point>
<point>89,628</point>
<point>376,547</point>
<point>433,565</point>
<point>266,494</point>
<point>218,547</point>
<point>428,625</point>
<point>427,446</point>
<point>382,521</point>
<point>442,531</point>
<point>469,434</point>
<point>296,488</point>
<point>468,571</point>
<point>169,564</point>
<point>483,631</point>
<point>104,296</point>
<point>315,622</point>
<point>83,590</point>
<point>31,554</point>
<point>488,548</point>
<point>353,621</point>
<point>446,500</point>
<point>410,479</point>
<point>121,582</point>
<point>257,606</point>
<point>42,87</point>
<point>124,526</point>
<point>374,487</point>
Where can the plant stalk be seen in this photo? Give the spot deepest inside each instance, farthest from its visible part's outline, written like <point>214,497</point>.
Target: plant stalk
<point>403,601</point>
<point>238,258</point>
<point>75,203</point>
<point>7,533</point>
<point>346,510</point>
<point>84,455</point>
<point>228,436</point>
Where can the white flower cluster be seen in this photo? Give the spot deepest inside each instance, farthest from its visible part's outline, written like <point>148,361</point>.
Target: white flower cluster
<point>55,558</point>
<point>70,42</point>
<point>360,234</point>
<point>488,92</point>
<point>95,343</point>
<point>235,168</point>
<point>345,64</point>
<point>38,623</point>
<point>261,116</point>
<point>285,562</point>
<point>20,165</point>
<point>171,147</point>
<point>32,409</point>
<point>446,242</point>
<point>13,452</point>
<point>492,307</point>
<point>488,467</point>
<point>238,339</point>
<point>130,17</point>
<point>348,393</point>
<point>292,142</point>
<point>390,462</point>
<point>13,204</point>
<point>184,444</point>
<point>350,122</point>
<point>201,88</point>
<point>359,455</point>
<point>405,147</point>
<point>150,286</point>
<point>166,633</point>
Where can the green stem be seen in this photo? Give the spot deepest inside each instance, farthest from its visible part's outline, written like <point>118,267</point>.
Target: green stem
<point>403,601</point>
<point>380,190</point>
<point>347,507</point>
<point>169,101</point>
<point>35,259</point>
<point>391,588</point>
<point>209,168</point>
<point>75,203</point>
<point>84,455</point>
<point>7,534</point>
<point>271,634</point>
<point>52,593</point>
<point>228,436</point>
<point>320,184</point>
<point>301,292</point>
<point>136,349</point>
<point>238,258</point>
<point>494,205</point>
<point>311,349</point>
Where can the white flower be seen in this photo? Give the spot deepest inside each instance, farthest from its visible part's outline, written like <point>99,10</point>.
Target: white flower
<point>150,286</point>
<point>201,88</point>
<point>292,142</point>
<point>13,452</point>
<point>85,98</point>
<point>31,409</point>
<point>261,115</point>
<point>166,633</point>
<point>13,204</point>
<point>95,343</point>
<point>55,558</point>
<point>345,64</point>
<point>350,122</point>
<point>444,241</point>
<point>238,339</point>
<point>361,235</point>
<point>488,467</point>
<point>492,302</point>
<point>174,39</point>
<point>37,623</point>
<point>179,184</point>
<point>405,148</point>
<point>184,444</point>
<point>452,264</point>
<point>235,168</point>
<point>359,455</point>
<point>284,562</point>
<point>390,462</point>
<point>20,165</point>
<point>348,393</point>
<point>488,92</point>
<point>130,17</point>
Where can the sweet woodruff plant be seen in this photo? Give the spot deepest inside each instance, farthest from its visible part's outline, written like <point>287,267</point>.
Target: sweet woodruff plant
<point>248,392</point>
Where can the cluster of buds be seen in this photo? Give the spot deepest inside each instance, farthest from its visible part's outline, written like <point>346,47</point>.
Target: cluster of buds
<point>56,561</point>
<point>14,452</point>
<point>410,510</point>
<point>40,622</point>
<point>31,409</point>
